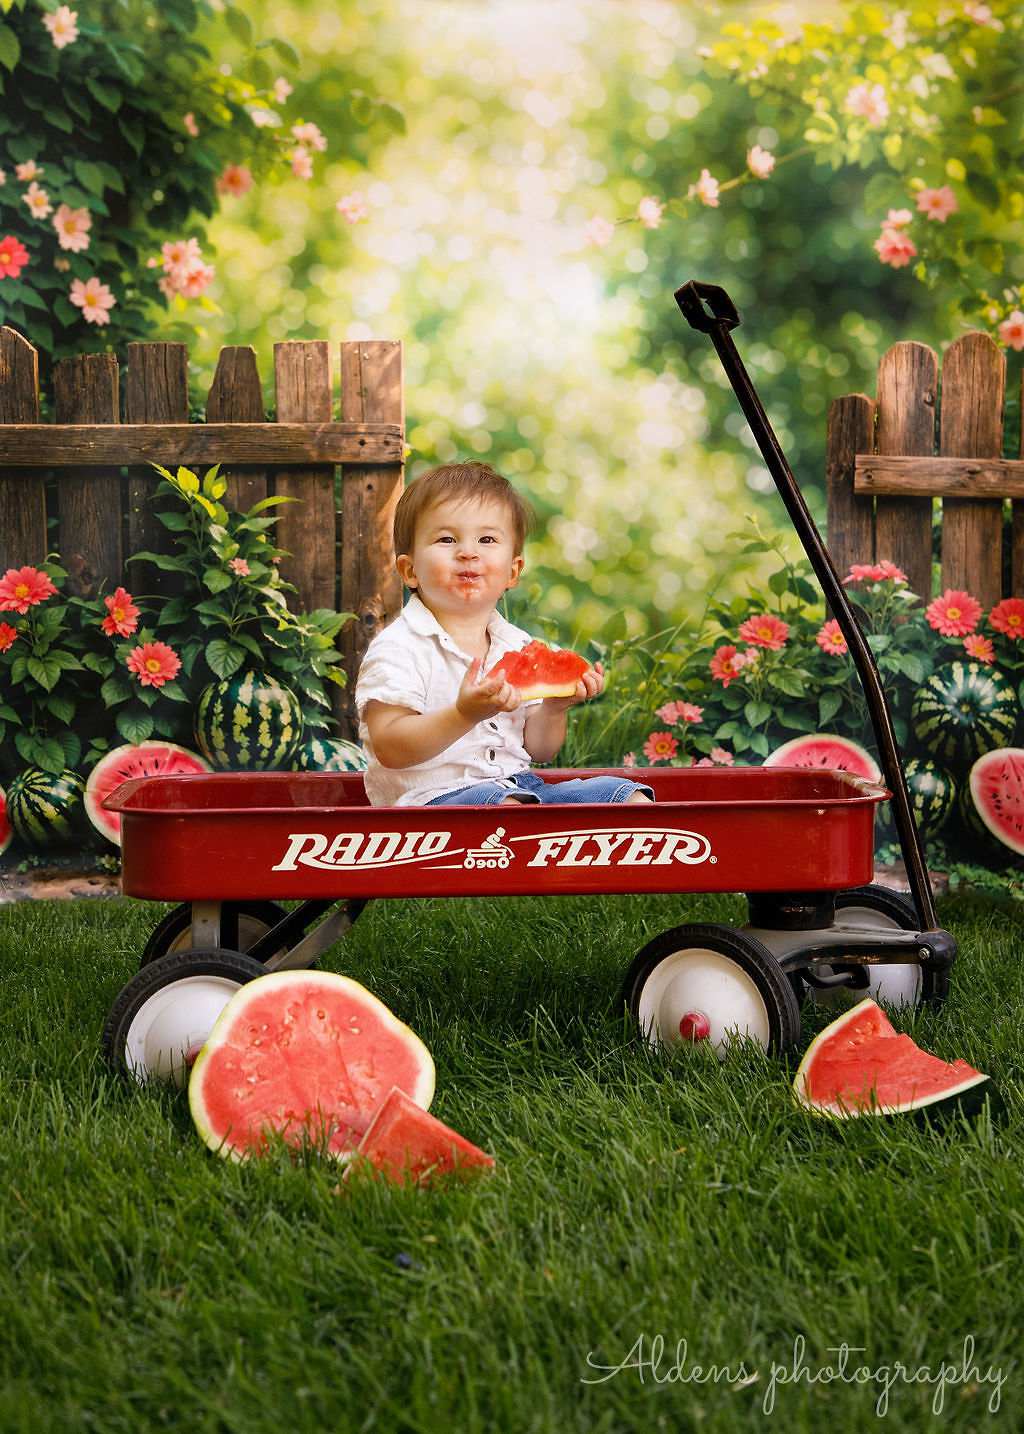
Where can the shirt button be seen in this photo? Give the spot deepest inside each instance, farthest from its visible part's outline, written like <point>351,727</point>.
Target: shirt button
<point>493,725</point>
<point>490,754</point>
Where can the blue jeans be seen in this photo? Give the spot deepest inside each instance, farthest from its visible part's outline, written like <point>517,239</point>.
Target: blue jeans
<point>530,787</point>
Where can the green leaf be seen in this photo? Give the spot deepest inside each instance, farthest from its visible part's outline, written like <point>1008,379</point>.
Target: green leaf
<point>90,175</point>
<point>756,712</point>
<point>95,663</point>
<point>176,522</point>
<point>224,658</point>
<point>912,666</point>
<point>9,714</point>
<point>270,503</point>
<point>787,682</point>
<point>983,189</point>
<point>115,690</point>
<point>134,726</point>
<point>164,563</point>
<point>210,479</point>
<point>829,704</point>
<point>187,480</point>
<point>49,754</point>
<point>106,95</point>
<point>286,51</point>
<point>10,50</point>
<point>66,312</point>
<point>239,24</point>
<point>60,119</point>
<point>216,579</point>
<point>175,692</point>
<point>72,747</point>
<point>45,670</point>
<point>62,707</point>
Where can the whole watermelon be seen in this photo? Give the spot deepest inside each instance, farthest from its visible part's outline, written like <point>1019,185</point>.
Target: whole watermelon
<point>932,794</point>
<point>963,710</point>
<point>46,810</point>
<point>248,722</point>
<point>329,754</point>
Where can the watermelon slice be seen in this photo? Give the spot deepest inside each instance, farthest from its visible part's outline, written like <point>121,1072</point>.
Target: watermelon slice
<point>6,830</point>
<point>858,1065</point>
<point>539,671</point>
<point>407,1144</point>
<point>308,1055</point>
<point>143,759</point>
<point>825,749</point>
<point>997,792</point>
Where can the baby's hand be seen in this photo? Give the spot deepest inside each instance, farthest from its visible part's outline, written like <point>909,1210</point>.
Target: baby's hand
<point>484,697</point>
<point>589,685</point>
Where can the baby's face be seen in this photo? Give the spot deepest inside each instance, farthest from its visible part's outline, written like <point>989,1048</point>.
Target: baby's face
<point>463,556</point>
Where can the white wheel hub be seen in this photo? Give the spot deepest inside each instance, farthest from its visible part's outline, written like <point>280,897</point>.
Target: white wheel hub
<point>895,985</point>
<point>696,979</point>
<point>169,1029</point>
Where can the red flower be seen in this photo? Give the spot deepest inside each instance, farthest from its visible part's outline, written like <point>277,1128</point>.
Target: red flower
<point>153,663</point>
<point>660,747</point>
<point>979,648</point>
<point>22,588</point>
<point>13,257</point>
<point>7,635</point>
<point>831,639</point>
<point>765,631</point>
<point>724,666</point>
<point>1008,617</point>
<point>123,616</point>
<point>954,614</point>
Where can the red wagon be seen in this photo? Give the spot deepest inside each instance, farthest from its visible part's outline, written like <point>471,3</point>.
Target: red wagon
<point>229,846</point>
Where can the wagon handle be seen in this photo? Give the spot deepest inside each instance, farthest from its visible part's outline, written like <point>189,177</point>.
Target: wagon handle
<point>724,317</point>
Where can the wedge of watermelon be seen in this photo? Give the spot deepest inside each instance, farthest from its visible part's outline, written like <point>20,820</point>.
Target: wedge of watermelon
<point>135,759</point>
<point>407,1145</point>
<point>859,1065</point>
<point>539,671</point>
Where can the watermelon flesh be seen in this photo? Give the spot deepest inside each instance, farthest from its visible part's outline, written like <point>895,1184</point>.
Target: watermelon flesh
<point>6,830</point>
<point>142,759</point>
<point>826,750</point>
<point>405,1143</point>
<point>859,1065</point>
<point>539,671</point>
<point>997,792</point>
<point>307,1056</point>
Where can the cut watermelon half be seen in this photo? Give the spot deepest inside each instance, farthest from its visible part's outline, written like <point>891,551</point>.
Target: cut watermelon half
<point>308,1056</point>
<point>406,1144</point>
<point>826,750</point>
<point>997,791</point>
<point>539,671</point>
<point>859,1065</point>
<point>6,830</point>
<point>142,759</point>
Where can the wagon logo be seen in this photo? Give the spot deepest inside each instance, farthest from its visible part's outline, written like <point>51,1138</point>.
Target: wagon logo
<point>326,853</point>
<point>490,852</point>
<point>638,846</point>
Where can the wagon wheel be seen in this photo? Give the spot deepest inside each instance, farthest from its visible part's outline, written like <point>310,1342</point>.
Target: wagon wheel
<point>161,1019</point>
<point>174,932</point>
<point>696,983</point>
<point>874,908</point>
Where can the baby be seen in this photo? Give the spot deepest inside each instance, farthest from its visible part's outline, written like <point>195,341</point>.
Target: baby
<point>436,730</point>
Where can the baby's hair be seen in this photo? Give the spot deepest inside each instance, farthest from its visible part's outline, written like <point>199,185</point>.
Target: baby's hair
<point>459,480</point>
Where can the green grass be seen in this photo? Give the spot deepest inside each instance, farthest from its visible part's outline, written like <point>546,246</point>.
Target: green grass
<point>148,1285</point>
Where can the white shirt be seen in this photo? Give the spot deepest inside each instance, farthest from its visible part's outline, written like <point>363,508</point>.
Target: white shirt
<point>415,663</point>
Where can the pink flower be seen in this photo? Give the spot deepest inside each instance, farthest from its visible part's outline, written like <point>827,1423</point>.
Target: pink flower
<point>302,163</point>
<point>28,170</point>
<point>749,657</point>
<point>760,162</point>
<point>282,89</point>
<point>234,179</point>
<point>122,615</point>
<point>895,248</point>
<point>979,647</point>
<point>38,201</point>
<point>896,218</point>
<point>93,298</point>
<point>724,667</point>
<point>660,747</point>
<point>22,588</point>
<point>937,203</point>
<point>153,663</point>
<point>680,712</point>
<point>765,630</point>
<point>706,189</point>
<point>701,762</point>
<point>352,207</point>
<point>239,566</point>
<point>179,253</point>
<point>1008,617</point>
<point>1011,330</point>
<point>598,232</point>
<point>831,639</point>
<point>309,134</point>
<point>8,635</point>
<point>61,25</point>
<point>72,226</point>
<point>3,176</point>
<point>13,257</point>
<point>722,758</point>
<point>869,102</point>
<point>649,211</point>
<point>954,614</point>
<point>195,279</point>
<point>981,14</point>
<point>889,572</point>
<point>189,121</point>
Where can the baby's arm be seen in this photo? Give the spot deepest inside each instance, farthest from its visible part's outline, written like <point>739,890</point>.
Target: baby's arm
<point>404,738</point>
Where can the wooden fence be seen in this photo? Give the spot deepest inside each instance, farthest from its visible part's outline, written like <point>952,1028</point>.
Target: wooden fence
<point>888,457</point>
<point>339,536</point>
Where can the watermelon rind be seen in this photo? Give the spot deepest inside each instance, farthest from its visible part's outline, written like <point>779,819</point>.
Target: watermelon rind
<point>45,808</point>
<point>996,785</point>
<point>525,670</point>
<point>6,830</point>
<point>849,756</point>
<point>839,1110</point>
<point>249,722</point>
<point>329,986</point>
<point>135,759</point>
<point>963,710</point>
<point>932,793</point>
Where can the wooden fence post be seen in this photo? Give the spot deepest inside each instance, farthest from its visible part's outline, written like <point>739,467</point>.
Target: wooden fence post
<point>85,390</point>
<point>851,526</point>
<point>23,537</point>
<point>971,426</point>
<point>371,392</point>
<point>156,391</point>
<point>907,382</point>
<point>302,379</point>
<point>236,396</point>
<point>1017,530</point>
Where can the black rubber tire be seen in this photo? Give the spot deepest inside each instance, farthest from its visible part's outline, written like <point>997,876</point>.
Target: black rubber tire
<point>158,975</point>
<point>178,921</point>
<point>753,958</point>
<point>901,909</point>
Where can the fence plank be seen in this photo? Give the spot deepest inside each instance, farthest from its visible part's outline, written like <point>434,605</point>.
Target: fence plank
<point>23,536</point>
<point>851,537</point>
<point>236,396</point>
<point>907,382</point>
<point>971,425</point>
<point>979,479</point>
<point>156,391</point>
<point>302,379</point>
<point>1017,530</point>
<point>51,445</point>
<point>371,389</point>
<point>85,390</point>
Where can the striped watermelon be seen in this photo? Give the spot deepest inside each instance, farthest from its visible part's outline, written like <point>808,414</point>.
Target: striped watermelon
<point>963,710</point>
<point>329,754</point>
<point>248,722</point>
<point>6,830</point>
<point>932,794</point>
<point>44,809</point>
